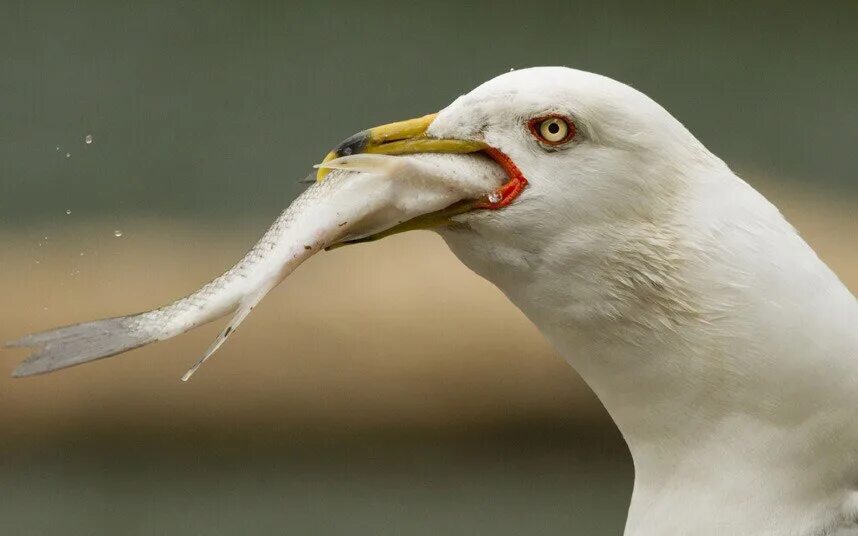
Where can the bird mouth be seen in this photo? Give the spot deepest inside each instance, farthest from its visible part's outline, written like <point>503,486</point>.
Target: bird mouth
<point>409,137</point>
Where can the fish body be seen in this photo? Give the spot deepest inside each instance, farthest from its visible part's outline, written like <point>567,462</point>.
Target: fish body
<point>364,195</point>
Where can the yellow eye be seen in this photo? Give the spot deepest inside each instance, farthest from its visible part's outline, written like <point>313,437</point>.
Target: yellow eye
<point>552,130</point>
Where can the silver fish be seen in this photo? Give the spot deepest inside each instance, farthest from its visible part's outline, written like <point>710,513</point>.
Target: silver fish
<point>366,197</point>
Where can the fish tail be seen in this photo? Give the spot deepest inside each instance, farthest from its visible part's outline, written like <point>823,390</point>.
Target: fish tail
<point>80,343</point>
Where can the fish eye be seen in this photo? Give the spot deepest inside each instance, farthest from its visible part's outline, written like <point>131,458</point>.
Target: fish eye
<point>552,130</point>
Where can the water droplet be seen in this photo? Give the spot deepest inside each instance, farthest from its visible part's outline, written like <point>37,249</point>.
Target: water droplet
<point>81,253</point>
<point>68,155</point>
<point>68,211</point>
<point>58,148</point>
<point>494,197</point>
<point>117,233</point>
<point>88,139</point>
<point>38,261</point>
<point>44,308</point>
<point>511,69</point>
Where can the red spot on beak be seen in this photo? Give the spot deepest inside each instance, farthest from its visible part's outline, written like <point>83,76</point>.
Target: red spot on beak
<point>512,188</point>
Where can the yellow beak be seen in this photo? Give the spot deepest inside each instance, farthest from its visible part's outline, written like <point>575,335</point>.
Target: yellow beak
<point>403,137</point>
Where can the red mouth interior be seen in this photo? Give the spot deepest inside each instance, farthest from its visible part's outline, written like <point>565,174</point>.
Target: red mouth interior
<point>512,188</point>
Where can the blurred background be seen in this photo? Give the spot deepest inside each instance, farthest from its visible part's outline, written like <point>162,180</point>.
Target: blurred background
<point>144,146</point>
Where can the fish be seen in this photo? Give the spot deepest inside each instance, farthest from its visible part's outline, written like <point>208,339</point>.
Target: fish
<point>364,197</point>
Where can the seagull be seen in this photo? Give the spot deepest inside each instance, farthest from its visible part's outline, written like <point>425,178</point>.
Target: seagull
<point>723,348</point>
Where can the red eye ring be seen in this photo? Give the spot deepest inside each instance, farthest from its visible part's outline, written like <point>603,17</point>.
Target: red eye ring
<point>552,129</point>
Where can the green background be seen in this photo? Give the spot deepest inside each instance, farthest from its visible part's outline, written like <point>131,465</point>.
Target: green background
<point>213,110</point>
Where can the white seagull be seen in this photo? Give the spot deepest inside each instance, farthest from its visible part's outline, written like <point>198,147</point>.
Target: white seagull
<point>725,350</point>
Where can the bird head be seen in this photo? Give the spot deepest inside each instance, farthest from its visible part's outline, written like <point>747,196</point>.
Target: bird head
<point>579,150</point>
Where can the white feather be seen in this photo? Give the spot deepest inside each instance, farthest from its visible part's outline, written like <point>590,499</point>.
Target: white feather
<point>724,349</point>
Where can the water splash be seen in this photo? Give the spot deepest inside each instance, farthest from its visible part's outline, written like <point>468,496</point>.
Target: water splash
<point>88,139</point>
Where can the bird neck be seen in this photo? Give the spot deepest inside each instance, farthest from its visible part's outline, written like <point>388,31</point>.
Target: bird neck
<point>722,347</point>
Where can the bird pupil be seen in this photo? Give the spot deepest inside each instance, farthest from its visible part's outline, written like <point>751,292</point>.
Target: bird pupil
<point>554,128</point>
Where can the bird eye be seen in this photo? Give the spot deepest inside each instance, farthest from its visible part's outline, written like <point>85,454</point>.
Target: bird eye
<point>553,130</point>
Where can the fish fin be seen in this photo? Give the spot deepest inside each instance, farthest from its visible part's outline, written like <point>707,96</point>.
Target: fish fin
<point>240,314</point>
<point>72,345</point>
<point>365,162</point>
